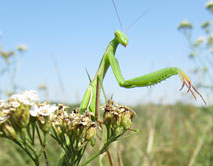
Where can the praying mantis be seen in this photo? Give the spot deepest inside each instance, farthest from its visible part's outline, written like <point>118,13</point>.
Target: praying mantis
<point>90,100</point>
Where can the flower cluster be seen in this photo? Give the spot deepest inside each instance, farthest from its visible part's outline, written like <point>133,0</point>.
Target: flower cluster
<point>15,112</point>
<point>22,109</point>
<point>117,118</point>
<point>22,115</point>
<point>79,128</point>
<point>185,25</point>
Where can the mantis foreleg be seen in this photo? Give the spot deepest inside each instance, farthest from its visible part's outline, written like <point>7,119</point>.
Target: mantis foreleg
<point>151,78</point>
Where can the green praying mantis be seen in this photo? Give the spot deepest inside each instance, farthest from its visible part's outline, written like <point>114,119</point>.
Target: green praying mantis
<point>90,100</point>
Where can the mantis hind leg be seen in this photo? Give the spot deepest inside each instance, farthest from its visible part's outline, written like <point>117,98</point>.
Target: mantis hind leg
<point>151,78</point>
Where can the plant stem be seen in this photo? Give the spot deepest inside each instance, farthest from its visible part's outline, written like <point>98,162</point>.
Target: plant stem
<point>112,139</point>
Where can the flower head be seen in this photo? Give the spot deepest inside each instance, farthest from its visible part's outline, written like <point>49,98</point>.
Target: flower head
<point>78,127</point>
<point>199,40</point>
<point>27,97</point>
<point>205,24</point>
<point>209,6</point>
<point>185,25</point>
<point>46,109</point>
<point>44,114</point>
<point>117,117</point>
<point>22,47</point>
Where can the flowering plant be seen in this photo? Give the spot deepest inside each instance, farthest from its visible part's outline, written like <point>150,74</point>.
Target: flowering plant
<point>23,118</point>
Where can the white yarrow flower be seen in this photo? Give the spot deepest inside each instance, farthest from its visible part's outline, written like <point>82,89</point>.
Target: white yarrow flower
<point>34,110</point>
<point>47,109</point>
<point>27,97</point>
<point>14,104</point>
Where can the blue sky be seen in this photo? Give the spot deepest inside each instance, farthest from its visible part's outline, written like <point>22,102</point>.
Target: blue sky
<point>76,34</point>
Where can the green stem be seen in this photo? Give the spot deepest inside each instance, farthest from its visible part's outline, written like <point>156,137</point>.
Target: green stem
<point>44,152</point>
<point>26,141</point>
<point>35,160</point>
<point>112,139</point>
<point>39,136</point>
<point>43,144</point>
<point>33,133</point>
<point>26,150</point>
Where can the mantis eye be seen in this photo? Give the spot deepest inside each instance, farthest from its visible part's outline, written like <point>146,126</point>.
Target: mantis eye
<point>121,38</point>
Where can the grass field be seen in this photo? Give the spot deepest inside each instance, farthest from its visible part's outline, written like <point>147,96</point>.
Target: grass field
<point>171,135</point>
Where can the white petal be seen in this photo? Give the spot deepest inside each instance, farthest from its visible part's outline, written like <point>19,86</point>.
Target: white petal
<point>34,110</point>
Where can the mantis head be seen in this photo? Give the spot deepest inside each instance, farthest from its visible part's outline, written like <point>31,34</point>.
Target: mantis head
<point>121,38</point>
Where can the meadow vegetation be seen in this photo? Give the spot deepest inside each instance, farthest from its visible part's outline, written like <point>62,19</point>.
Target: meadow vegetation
<point>169,135</point>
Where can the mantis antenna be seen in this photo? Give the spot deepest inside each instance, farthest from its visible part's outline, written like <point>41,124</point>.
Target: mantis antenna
<point>136,20</point>
<point>117,15</point>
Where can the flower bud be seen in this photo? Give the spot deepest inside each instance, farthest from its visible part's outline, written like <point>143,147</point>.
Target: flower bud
<point>107,118</point>
<point>56,126</point>
<point>44,123</point>
<point>90,133</point>
<point>9,131</point>
<point>20,115</point>
<point>127,117</point>
<point>116,120</point>
<point>118,130</point>
<point>80,131</point>
<point>126,121</point>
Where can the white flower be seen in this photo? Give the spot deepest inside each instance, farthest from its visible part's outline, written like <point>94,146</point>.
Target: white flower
<point>14,104</point>
<point>43,110</point>
<point>27,97</point>
<point>3,103</point>
<point>3,114</point>
<point>47,109</point>
<point>199,40</point>
<point>22,47</point>
<point>6,111</point>
<point>34,110</point>
<point>31,95</point>
<point>3,119</point>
